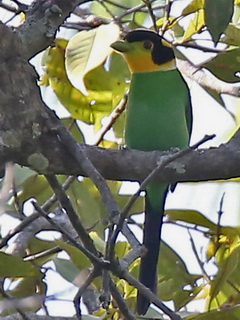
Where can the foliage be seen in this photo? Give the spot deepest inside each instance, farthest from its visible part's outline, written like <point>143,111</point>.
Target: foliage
<point>90,81</point>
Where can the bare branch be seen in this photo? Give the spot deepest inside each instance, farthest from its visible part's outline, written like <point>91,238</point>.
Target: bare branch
<point>207,79</point>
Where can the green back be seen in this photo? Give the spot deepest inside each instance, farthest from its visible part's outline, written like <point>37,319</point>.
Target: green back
<point>158,111</point>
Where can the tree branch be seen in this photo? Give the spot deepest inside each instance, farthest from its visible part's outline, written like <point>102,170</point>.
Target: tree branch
<point>207,79</point>
<point>42,21</point>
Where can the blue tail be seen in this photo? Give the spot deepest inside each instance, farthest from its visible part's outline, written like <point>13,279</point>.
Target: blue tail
<point>154,210</point>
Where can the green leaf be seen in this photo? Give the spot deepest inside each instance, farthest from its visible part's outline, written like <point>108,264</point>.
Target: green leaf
<point>98,242</point>
<point>74,129</point>
<point>77,257</point>
<point>85,200</point>
<point>21,174</point>
<point>67,269</point>
<point>173,276</point>
<point>191,216</point>
<point>232,35</point>
<point>215,95</point>
<point>121,249</point>
<point>11,266</point>
<point>32,288</point>
<point>36,186</point>
<point>192,7</point>
<point>218,14</point>
<point>107,10</point>
<point>87,50</point>
<point>232,313</point>
<point>225,65</point>
<point>154,314</point>
<point>37,245</point>
<point>28,286</point>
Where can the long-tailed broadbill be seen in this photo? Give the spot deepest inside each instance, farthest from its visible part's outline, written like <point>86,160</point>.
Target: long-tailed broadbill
<point>159,117</point>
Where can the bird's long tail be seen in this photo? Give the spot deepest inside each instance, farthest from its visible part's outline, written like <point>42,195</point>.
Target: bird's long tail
<point>154,210</point>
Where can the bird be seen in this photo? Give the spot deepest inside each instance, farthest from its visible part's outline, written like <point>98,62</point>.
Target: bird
<point>158,117</point>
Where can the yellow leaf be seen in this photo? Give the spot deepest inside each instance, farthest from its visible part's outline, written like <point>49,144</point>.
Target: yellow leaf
<point>98,242</point>
<point>87,50</point>
<point>195,25</point>
<point>226,268</point>
<point>106,87</point>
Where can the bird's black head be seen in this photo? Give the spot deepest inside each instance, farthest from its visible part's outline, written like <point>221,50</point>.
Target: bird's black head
<point>160,53</point>
<point>145,51</point>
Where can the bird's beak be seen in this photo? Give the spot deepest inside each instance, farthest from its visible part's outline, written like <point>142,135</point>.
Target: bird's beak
<point>121,46</point>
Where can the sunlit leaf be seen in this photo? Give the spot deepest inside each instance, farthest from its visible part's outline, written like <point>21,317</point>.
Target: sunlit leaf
<point>87,50</point>
<point>106,86</point>
<point>107,10</point>
<point>77,257</point>
<point>195,25</point>
<point>218,14</point>
<point>121,249</point>
<point>170,22</point>
<point>190,216</point>
<point>98,242</point>
<point>227,265</point>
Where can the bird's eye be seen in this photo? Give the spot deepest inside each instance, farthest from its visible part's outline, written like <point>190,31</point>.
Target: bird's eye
<point>147,44</point>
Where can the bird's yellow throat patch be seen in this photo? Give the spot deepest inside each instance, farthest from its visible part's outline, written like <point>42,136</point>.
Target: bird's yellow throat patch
<point>141,61</point>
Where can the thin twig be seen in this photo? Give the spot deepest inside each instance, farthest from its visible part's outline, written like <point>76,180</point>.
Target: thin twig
<point>138,8</point>
<point>121,302</point>
<point>200,263</point>
<point>95,260</point>
<point>114,115</point>
<point>132,255</point>
<point>197,47</point>
<point>67,206</point>
<point>118,5</point>
<point>28,220</point>
<point>105,296</point>
<point>185,225</point>
<point>91,276</point>
<point>220,213</point>
<point>148,3</point>
<point>101,2</point>
<point>167,15</point>
<point>8,297</point>
<point>80,154</point>
<point>124,274</point>
<point>43,254</point>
